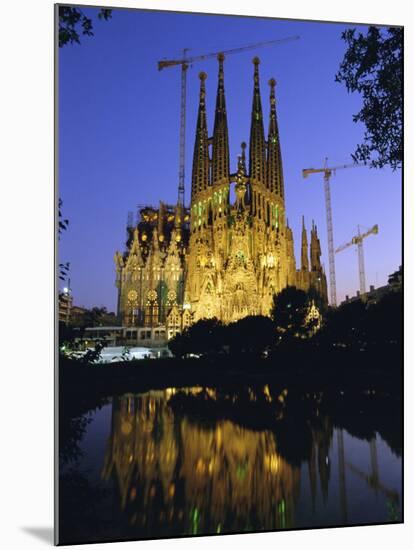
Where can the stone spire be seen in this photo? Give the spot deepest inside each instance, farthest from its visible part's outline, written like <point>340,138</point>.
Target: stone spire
<point>304,253</point>
<point>241,180</point>
<point>274,157</point>
<point>135,255</point>
<point>257,164</point>
<point>220,168</point>
<point>315,249</point>
<point>201,161</point>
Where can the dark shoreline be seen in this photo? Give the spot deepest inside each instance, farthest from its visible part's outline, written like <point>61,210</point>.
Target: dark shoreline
<point>300,369</point>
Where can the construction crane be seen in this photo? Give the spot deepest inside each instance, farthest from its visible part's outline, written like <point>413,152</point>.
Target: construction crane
<point>185,62</point>
<point>358,241</point>
<point>327,173</point>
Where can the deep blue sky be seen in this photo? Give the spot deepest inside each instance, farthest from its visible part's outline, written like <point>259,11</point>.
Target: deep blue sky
<point>119,126</point>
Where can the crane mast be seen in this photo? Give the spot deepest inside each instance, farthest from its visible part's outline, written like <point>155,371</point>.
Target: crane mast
<point>185,63</point>
<point>358,241</point>
<point>181,169</point>
<point>329,225</point>
<point>361,265</point>
<point>327,173</point>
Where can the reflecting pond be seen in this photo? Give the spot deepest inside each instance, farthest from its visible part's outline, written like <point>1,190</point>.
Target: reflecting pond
<point>203,460</point>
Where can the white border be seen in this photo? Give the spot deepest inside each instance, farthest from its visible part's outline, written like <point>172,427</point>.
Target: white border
<point>26,287</point>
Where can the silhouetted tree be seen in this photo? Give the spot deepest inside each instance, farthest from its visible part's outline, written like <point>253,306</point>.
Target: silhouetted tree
<point>206,337</point>
<point>373,66</point>
<point>73,22</point>
<point>62,226</point>
<point>345,326</point>
<point>95,317</point>
<point>179,345</point>
<point>289,311</point>
<point>384,320</point>
<point>364,325</point>
<point>253,334</point>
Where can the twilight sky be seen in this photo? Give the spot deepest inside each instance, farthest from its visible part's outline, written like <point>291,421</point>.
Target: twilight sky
<point>119,127</point>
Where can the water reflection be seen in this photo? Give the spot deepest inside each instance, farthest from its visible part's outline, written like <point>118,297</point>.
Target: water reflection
<point>199,478</point>
<point>208,460</point>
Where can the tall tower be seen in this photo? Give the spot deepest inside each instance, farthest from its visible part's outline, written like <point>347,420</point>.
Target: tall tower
<point>274,157</point>
<point>304,249</point>
<point>257,154</point>
<point>201,161</point>
<point>315,249</point>
<point>220,163</point>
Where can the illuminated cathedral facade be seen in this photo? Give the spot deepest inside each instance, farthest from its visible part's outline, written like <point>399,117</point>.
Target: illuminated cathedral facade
<point>232,250</point>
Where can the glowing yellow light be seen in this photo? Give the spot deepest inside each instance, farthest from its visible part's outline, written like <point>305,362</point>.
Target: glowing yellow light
<point>126,428</point>
<point>272,463</point>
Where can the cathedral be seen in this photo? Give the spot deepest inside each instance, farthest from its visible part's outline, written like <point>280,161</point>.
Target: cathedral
<point>232,250</point>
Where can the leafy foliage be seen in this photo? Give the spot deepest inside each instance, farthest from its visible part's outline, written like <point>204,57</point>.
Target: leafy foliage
<point>253,334</point>
<point>73,22</point>
<point>290,308</point>
<point>94,317</point>
<point>359,325</point>
<point>206,337</point>
<point>373,66</point>
<point>63,223</point>
<point>126,355</point>
<point>73,349</point>
<point>94,355</point>
<point>345,326</point>
<point>62,226</point>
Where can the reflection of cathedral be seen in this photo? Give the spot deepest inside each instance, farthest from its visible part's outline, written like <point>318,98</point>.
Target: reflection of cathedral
<point>176,476</point>
<point>232,250</point>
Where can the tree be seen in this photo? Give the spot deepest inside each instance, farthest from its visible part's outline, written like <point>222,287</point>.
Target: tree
<point>253,334</point>
<point>345,326</point>
<point>372,66</point>
<point>206,337</point>
<point>95,317</point>
<point>289,311</point>
<point>73,22</point>
<point>385,320</point>
<point>62,226</point>
<point>179,345</point>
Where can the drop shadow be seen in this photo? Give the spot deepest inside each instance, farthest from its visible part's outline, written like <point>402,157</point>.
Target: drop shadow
<point>45,534</point>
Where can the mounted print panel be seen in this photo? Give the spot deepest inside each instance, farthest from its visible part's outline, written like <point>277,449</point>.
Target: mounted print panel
<point>229,274</point>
